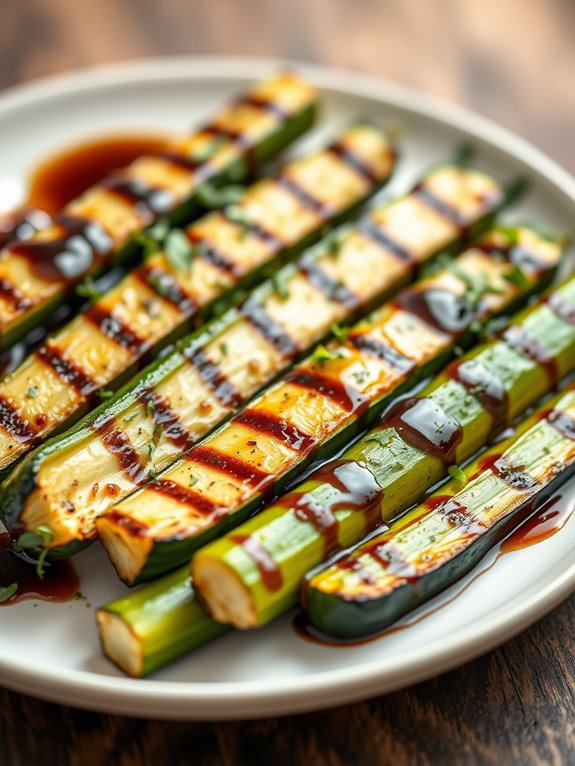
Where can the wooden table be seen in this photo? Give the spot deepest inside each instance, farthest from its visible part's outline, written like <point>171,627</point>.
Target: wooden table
<point>513,60</point>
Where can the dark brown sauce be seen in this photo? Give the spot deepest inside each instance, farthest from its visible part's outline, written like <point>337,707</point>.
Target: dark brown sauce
<point>545,522</point>
<point>347,398</point>
<point>22,224</point>
<point>437,307</point>
<point>518,338</point>
<point>485,387</point>
<point>73,376</point>
<point>426,425</point>
<point>383,350</point>
<point>278,428</point>
<point>60,582</point>
<point>118,443</point>
<point>14,424</point>
<point>274,333</point>
<point>234,467</point>
<point>269,571</point>
<point>357,163</point>
<point>562,307</point>
<point>306,198</point>
<point>64,177</point>
<point>264,104</point>
<point>370,229</point>
<point>215,379</point>
<point>527,261</point>
<point>512,475</point>
<point>326,284</point>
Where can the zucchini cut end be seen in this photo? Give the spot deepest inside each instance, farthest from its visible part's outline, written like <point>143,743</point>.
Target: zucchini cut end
<point>127,551</point>
<point>223,595</point>
<point>119,643</point>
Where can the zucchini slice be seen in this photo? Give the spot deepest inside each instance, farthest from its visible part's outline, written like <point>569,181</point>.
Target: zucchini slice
<point>249,577</point>
<point>441,540</point>
<point>96,230</point>
<point>317,407</point>
<point>75,477</point>
<point>158,301</point>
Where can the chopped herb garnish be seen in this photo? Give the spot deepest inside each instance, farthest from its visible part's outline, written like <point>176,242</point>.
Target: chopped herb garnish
<point>159,230</point>
<point>456,473</point>
<point>104,394</point>
<point>160,285</point>
<point>179,250</point>
<point>129,418</point>
<point>336,288</point>
<point>206,151</point>
<point>360,376</point>
<point>323,354</point>
<point>212,197</point>
<point>32,392</point>
<point>194,480</point>
<point>224,349</point>
<point>517,277</point>
<point>476,285</point>
<point>150,408</point>
<point>37,538</point>
<point>8,592</point>
<point>334,241</point>
<point>237,215</point>
<point>88,289</point>
<point>340,333</point>
<point>280,282</point>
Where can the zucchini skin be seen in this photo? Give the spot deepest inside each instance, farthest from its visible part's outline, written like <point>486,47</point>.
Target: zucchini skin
<point>32,479</point>
<point>398,470</point>
<point>104,345</point>
<point>134,529</point>
<point>150,619</point>
<point>431,556</point>
<point>233,166</point>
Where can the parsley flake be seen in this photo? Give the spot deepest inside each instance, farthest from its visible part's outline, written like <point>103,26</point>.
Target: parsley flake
<point>88,289</point>
<point>179,250</point>
<point>456,473</point>
<point>32,392</point>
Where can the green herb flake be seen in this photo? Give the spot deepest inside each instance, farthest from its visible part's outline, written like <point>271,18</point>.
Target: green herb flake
<point>193,480</point>
<point>340,333</point>
<point>280,282</point>
<point>237,215</point>
<point>104,394</point>
<point>323,354</point>
<point>211,197</point>
<point>517,277</point>
<point>456,473</point>
<point>36,538</point>
<point>32,392</point>
<point>208,150</point>
<point>7,593</point>
<point>179,251</point>
<point>129,418</point>
<point>88,289</point>
<point>224,349</point>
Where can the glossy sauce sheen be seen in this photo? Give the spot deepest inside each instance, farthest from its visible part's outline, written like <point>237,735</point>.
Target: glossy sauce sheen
<point>269,571</point>
<point>60,583</point>
<point>438,308</point>
<point>521,341</point>
<point>545,522</point>
<point>485,387</point>
<point>424,424</point>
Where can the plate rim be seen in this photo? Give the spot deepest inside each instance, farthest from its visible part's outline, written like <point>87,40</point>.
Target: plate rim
<point>246,699</point>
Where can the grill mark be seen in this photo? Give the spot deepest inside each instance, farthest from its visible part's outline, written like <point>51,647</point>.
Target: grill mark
<point>272,331</point>
<point>370,229</point>
<point>67,258</point>
<point>354,161</point>
<point>208,252</point>
<point>185,496</point>
<point>272,240</point>
<point>348,398</point>
<point>384,351</point>
<point>117,331</point>
<point>562,422</point>
<point>148,201</point>
<point>527,261</point>
<point>13,296</point>
<point>214,378</point>
<point>518,339</point>
<point>163,415</point>
<point>270,572</point>
<point>266,105</point>
<point>326,284</point>
<point>441,207</point>
<point>561,307</point>
<point>118,443</point>
<point>232,466</point>
<point>67,371</point>
<point>14,424</point>
<point>486,387</point>
<point>278,428</point>
<point>22,224</point>
<point>166,287</point>
<point>307,199</point>
<point>390,558</point>
<point>456,513</point>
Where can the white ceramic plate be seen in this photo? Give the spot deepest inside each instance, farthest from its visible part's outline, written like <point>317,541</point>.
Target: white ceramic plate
<point>51,650</point>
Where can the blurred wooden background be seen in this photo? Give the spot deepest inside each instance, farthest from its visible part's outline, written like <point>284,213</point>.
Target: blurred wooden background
<point>512,60</point>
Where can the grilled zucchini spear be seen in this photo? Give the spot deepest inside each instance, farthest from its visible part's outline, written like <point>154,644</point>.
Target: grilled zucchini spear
<point>97,229</point>
<point>248,577</point>
<point>66,483</point>
<point>157,301</point>
<point>441,540</point>
<point>317,407</point>
<point>162,621</point>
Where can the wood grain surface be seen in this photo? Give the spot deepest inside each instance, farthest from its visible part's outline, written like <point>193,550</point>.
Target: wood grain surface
<point>512,60</point>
